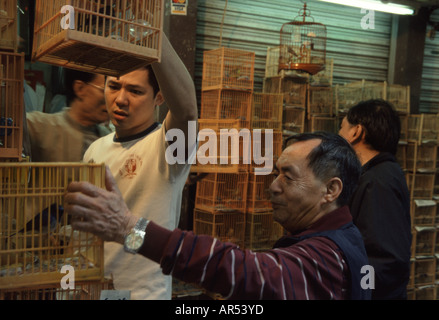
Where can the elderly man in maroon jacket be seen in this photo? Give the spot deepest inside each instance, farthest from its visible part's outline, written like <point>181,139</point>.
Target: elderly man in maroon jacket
<point>322,257</point>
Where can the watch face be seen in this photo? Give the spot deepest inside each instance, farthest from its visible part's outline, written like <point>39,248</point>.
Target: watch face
<point>134,241</point>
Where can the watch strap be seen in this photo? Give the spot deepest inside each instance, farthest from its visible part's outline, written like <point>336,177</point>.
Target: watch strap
<point>141,224</point>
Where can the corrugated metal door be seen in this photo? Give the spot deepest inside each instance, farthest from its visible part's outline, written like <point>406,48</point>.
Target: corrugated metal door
<point>254,25</point>
<point>430,72</point>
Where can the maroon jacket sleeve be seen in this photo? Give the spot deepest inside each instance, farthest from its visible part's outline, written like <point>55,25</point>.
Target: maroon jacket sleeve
<point>313,269</point>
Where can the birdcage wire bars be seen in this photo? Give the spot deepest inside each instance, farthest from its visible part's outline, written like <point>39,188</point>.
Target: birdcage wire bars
<point>303,44</point>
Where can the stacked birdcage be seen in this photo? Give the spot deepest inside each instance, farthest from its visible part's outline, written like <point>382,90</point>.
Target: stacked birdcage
<point>38,246</point>
<point>224,142</point>
<point>110,37</point>
<point>11,84</point>
<point>8,25</point>
<point>308,98</point>
<point>421,169</point>
<point>239,138</point>
<point>11,105</point>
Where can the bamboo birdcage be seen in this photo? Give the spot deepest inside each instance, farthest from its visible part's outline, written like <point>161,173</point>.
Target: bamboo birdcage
<point>267,148</point>
<point>214,136</point>
<point>421,157</point>
<point>225,104</point>
<point>110,37</point>
<point>293,119</point>
<point>303,44</point>
<point>423,241</point>
<point>258,193</point>
<point>426,292</point>
<point>11,105</point>
<point>320,101</point>
<point>323,78</point>
<point>423,127</point>
<point>317,123</point>
<point>423,212</point>
<point>36,238</point>
<point>266,111</point>
<point>228,68</point>
<point>225,226</point>
<point>294,93</point>
<point>222,192</point>
<point>83,290</point>
<point>421,185</point>
<point>425,271</point>
<point>8,25</point>
<point>261,231</point>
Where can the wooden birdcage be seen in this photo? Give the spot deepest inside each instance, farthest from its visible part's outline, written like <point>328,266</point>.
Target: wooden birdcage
<point>110,37</point>
<point>421,157</point>
<point>317,123</point>
<point>411,283</point>
<point>294,92</point>
<point>423,241</point>
<point>225,226</point>
<point>261,231</point>
<point>437,238</point>
<point>224,146</point>
<point>294,119</point>
<point>258,193</point>
<point>222,192</point>
<point>423,127</point>
<point>346,97</point>
<point>401,154</point>
<point>425,271</point>
<point>404,120</point>
<point>421,185</point>
<point>425,292</point>
<point>36,238</point>
<point>423,212</point>
<point>323,78</point>
<point>228,68</point>
<point>226,104</point>
<point>320,101</point>
<point>267,148</point>
<point>83,290</point>
<point>8,25</point>
<point>11,105</point>
<point>266,111</point>
<point>399,97</point>
<point>303,44</point>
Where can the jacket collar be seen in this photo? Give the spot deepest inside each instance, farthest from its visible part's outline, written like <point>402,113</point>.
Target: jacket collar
<point>331,221</point>
<point>379,158</point>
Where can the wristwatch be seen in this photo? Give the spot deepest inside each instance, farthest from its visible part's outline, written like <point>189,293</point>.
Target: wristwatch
<point>134,239</point>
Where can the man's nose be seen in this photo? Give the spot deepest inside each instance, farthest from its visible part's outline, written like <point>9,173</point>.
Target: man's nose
<point>122,98</point>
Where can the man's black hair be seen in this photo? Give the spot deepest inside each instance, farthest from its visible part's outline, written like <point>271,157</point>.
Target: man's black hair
<point>70,76</point>
<point>381,124</point>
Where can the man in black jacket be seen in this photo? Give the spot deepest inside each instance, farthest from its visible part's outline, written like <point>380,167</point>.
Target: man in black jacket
<point>380,205</point>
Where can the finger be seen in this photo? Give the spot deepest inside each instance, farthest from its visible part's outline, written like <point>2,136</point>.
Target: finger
<point>83,187</point>
<point>110,182</point>
<point>81,225</point>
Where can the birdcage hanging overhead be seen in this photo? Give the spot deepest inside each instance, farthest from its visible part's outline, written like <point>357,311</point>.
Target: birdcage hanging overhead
<point>303,44</point>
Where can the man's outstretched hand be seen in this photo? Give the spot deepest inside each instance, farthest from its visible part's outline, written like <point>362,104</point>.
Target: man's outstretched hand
<point>101,212</point>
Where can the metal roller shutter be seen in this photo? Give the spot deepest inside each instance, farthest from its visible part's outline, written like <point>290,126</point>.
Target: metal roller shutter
<point>254,25</point>
<point>430,73</point>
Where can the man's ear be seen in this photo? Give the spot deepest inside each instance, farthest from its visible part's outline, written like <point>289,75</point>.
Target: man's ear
<point>78,88</point>
<point>334,188</point>
<point>159,99</point>
<point>357,135</point>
